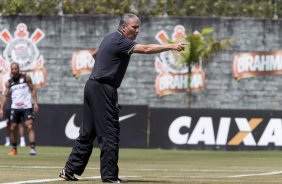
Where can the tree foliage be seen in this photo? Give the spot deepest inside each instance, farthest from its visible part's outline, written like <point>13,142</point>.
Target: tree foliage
<point>228,8</point>
<point>201,48</point>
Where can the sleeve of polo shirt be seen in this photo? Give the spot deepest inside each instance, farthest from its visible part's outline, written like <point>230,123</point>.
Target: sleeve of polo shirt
<point>127,45</point>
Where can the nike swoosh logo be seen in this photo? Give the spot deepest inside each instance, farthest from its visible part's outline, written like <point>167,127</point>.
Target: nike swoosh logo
<point>3,124</point>
<point>72,131</point>
<point>126,117</point>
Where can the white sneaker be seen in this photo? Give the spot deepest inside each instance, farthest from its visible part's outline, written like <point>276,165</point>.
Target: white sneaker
<point>22,144</point>
<point>7,144</point>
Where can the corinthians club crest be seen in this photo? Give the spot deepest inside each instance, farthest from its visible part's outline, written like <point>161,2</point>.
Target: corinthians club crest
<point>172,78</point>
<point>22,49</point>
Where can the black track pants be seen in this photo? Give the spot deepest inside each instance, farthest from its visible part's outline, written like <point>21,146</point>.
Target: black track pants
<point>100,119</point>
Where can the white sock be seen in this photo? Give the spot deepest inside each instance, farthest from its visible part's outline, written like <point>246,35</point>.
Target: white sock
<point>22,139</point>
<point>7,139</point>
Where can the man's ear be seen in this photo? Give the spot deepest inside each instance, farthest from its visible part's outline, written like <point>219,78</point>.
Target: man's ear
<point>123,27</point>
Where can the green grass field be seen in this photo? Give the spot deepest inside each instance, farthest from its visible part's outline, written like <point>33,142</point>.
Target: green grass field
<point>148,166</point>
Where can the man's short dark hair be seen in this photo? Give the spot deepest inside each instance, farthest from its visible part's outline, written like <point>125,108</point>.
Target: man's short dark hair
<point>14,63</point>
<point>125,18</point>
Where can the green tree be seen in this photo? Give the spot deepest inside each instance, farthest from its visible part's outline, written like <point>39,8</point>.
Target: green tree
<point>227,8</point>
<point>34,7</point>
<point>201,48</point>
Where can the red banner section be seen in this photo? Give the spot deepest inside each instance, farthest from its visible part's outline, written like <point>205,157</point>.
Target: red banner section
<point>82,62</point>
<point>257,63</point>
<point>170,83</point>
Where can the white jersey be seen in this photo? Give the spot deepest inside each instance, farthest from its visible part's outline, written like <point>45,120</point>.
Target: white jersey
<point>20,93</point>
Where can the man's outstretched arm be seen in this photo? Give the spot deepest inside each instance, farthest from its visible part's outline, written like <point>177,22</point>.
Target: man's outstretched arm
<point>157,48</point>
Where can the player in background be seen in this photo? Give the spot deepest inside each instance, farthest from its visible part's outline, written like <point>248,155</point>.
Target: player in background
<point>7,114</point>
<point>22,95</point>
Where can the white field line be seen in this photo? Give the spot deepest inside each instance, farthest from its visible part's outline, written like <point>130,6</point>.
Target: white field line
<point>264,173</point>
<point>258,174</point>
<point>146,169</point>
<point>35,181</point>
<point>98,177</point>
<point>198,170</point>
<point>30,167</point>
<point>60,179</point>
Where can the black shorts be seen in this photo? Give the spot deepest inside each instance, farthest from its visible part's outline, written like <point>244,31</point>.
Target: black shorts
<point>21,115</point>
<point>7,114</point>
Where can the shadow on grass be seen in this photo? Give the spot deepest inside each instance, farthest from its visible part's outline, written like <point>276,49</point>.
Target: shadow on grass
<point>131,181</point>
<point>144,181</point>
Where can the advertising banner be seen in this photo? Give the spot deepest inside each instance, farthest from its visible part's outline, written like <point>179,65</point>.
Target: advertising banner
<point>172,76</point>
<point>251,64</point>
<point>21,47</point>
<point>198,129</point>
<point>58,125</point>
<point>82,62</point>
<point>211,129</point>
